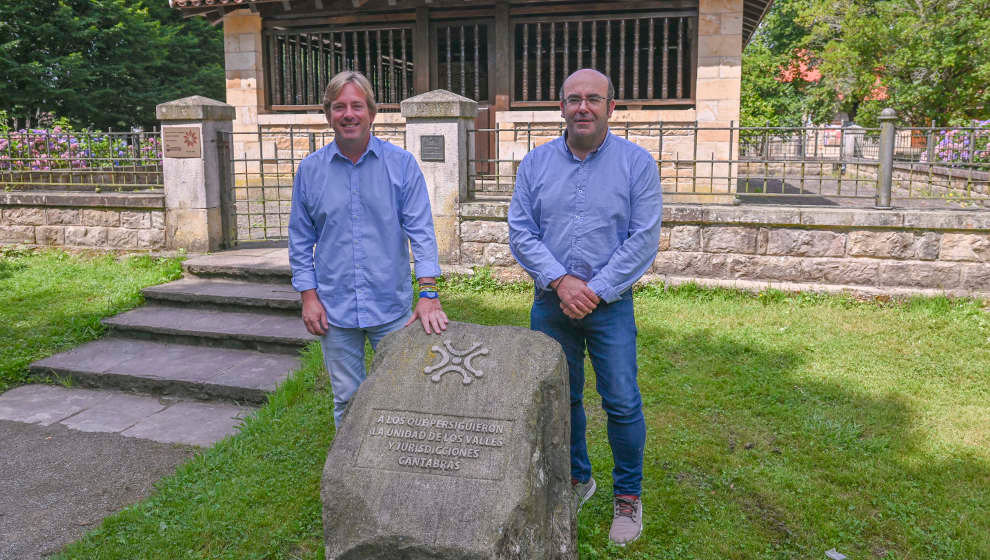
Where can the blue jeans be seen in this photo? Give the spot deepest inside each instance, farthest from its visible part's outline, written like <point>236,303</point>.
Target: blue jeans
<point>610,335</point>
<point>343,355</point>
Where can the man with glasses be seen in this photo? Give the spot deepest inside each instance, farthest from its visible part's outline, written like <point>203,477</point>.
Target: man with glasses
<point>585,224</point>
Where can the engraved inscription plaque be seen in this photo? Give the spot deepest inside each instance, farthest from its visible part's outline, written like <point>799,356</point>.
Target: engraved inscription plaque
<point>431,148</point>
<point>443,444</point>
<point>182,142</point>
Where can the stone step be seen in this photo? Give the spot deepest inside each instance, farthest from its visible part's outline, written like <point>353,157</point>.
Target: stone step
<point>264,332</point>
<point>268,265</point>
<point>223,293</point>
<point>178,370</point>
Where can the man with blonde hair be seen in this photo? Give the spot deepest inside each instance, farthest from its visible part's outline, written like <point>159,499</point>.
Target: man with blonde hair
<point>357,205</point>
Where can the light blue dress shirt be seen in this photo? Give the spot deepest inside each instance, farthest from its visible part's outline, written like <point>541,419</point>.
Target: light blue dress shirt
<point>362,217</point>
<point>597,219</point>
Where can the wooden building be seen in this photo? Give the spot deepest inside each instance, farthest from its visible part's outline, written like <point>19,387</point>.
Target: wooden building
<point>676,62</point>
<point>673,55</point>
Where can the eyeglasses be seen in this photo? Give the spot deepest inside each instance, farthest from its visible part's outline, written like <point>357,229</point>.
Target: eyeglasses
<point>592,100</point>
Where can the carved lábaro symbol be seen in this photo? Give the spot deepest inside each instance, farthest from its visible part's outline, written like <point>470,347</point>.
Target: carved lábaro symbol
<point>458,361</point>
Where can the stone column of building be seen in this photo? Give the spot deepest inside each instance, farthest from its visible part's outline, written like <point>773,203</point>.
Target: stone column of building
<point>717,91</point>
<point>437,125</point>
<point>244,65</point>
<point>191,170</point>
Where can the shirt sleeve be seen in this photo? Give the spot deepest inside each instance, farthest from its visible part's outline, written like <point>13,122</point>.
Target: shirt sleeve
<point>524,233</point>
<point>635,255</point>
<point>302,237</point>
<point>416,217</point>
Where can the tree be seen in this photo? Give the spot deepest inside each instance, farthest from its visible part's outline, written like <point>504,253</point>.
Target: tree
<point>102,63</point>
<point>775,90</point>
<point>927,59</point>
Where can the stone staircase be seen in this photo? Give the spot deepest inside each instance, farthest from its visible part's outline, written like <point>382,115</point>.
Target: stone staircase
<point>229,330</point>
<point>227,333</point>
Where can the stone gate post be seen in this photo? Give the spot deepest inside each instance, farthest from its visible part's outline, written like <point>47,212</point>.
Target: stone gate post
<point>191,168</point>
<point>437,124</point>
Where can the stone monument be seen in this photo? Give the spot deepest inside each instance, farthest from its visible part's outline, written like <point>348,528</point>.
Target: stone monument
<point>456,447</point>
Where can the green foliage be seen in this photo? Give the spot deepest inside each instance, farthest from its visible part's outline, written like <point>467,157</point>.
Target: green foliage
<point>479,281</point>
<point>766,98</point>
<point>931,58</point>
<point>103,64</point>
<point>927,59</point>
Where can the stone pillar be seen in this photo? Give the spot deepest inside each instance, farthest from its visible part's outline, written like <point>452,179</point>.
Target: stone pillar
<point>442,116</point>
<point>244,67</point>
<point>717,90</point>
<point>192,174</point>
<point>243,62</point>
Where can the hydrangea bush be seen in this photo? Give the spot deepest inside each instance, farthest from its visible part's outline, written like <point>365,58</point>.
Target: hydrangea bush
<point>62,148</point>
<point>958,146</point>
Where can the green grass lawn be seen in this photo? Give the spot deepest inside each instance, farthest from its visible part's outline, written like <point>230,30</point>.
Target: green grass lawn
<point>51,301</point>
<point>778,427</point>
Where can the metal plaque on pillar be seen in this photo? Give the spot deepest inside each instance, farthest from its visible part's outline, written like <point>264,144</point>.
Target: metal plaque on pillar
<point>182,142</point>
<point>431,148</point>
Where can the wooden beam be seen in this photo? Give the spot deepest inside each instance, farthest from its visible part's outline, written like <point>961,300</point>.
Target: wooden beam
<point>609,7</point>
<point>399,17</point>
<point>421,50</point>
<point>503,57</point>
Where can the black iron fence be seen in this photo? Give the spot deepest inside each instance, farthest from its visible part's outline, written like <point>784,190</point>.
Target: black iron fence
<point>62,160</point>
<point>258,170</point>
<point>827,165</point>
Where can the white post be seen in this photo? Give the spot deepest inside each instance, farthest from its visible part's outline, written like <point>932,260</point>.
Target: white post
<point>437,125</point>
<point>191,167</point>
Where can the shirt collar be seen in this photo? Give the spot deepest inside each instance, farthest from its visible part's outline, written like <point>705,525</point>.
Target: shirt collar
<point>601,147</point>
<point>374,147</point>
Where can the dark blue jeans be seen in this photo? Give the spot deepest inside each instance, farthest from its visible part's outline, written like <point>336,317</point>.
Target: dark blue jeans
<point>610,335</point>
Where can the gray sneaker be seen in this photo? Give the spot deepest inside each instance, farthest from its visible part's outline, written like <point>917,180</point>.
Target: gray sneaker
<point>627,520</point>
<point>583,491</point>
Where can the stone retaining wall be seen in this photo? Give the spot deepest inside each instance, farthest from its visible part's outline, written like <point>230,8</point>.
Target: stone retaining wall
<point>83,220</point>
<point>894,250</point>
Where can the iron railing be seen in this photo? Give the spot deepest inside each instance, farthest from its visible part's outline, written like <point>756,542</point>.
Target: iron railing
<point>804,165</point>
<point>61,160</point>
<point>951,163</point>
<point>258,171</point>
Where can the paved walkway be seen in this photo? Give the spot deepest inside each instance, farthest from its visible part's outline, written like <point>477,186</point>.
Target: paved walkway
<point>137,416</point>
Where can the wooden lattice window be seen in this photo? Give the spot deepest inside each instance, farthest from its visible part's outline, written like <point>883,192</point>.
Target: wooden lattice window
<point>650,58</point>
<point>462,59</point>
<point>300,63</point>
